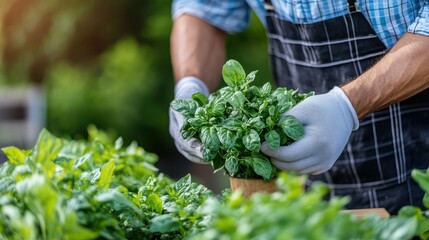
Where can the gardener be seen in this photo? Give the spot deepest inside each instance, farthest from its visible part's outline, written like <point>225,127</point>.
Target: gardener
<point>367,126</point>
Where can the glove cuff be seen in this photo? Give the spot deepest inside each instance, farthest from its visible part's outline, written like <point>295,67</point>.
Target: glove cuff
<point>187,86</point>
<point>340,93</point>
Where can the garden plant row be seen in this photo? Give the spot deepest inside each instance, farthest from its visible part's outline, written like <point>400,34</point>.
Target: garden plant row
<point>100,189</point>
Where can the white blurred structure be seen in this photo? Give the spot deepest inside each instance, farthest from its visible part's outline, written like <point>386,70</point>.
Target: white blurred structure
<point>22,115</point>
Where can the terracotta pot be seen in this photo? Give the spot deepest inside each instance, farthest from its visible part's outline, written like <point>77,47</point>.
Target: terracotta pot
<point>250,186</point>
<point>359,213</point>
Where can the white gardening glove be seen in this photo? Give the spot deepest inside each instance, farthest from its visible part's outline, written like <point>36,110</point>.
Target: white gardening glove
<point>328,121</point>
<point>190,148</point>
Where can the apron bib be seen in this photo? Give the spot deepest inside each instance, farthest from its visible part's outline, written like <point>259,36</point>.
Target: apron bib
<point>375,166</point>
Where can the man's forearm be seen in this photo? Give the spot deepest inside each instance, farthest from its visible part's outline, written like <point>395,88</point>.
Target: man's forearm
<point>197,49</point>
<point>400,74</point>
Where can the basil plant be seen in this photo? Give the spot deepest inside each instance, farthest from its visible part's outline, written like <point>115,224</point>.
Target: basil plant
<point>234,121</point>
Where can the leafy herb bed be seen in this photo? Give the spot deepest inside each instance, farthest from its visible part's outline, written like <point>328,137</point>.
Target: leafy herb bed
<point>234,121</point>
<point>95,189</point>
<point>99,189</point>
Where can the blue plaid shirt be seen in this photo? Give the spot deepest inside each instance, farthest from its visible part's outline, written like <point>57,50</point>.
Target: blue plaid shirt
<point>389,18</point>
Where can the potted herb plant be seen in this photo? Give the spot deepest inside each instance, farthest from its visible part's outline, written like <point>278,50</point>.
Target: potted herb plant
<point>234,121</point>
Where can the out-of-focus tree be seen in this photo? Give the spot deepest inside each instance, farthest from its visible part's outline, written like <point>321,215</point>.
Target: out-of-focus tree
<point>107,62</point>
<point>38,33</point>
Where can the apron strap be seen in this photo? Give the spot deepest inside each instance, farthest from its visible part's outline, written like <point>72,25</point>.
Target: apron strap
<point>268,6</point>
<point>353,6</point>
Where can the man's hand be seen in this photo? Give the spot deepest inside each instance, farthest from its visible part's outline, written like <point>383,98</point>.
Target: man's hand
<point>190,148</point>
<point>328,121</point>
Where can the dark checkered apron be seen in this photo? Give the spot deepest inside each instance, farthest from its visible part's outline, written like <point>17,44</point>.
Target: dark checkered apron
<point>375,166</point>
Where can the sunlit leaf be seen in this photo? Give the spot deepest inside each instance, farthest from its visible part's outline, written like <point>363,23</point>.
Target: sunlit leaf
<point>14,155</point>
<point>106,174</point>
<point>233,73</point>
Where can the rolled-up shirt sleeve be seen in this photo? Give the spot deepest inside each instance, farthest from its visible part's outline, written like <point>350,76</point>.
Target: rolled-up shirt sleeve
<point>228,15</point>
<point>421,24</point>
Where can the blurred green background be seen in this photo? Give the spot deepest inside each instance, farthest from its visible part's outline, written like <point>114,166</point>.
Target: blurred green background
<point>107,63</point>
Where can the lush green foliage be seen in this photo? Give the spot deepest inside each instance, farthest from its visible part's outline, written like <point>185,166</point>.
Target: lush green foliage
<point>417,214</point>
<point>100,189</point>
<point>119,94</point>
<point>235,120</point>
<point>97,189</point>
<point>295,214</point>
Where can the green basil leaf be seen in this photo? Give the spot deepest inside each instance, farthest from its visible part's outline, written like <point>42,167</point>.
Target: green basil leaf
<point>213,121</point>
<point>426,200</point>
<point>235,114</point>
<point>81,160</point>
<point>209,154</point>
<point>284,139</point>
<point>273,139</point>
<point>200,112</point>
<point>266,89</point>
<point>106,174</point>
<point>187,131</point>
<point>270,123</point>
<point>253,112</point>
<point>155,202</point>
<point>218,107</point>
<point>299,97</point>
<point>251,76</point>
<point>233,73</point>
<point>65,163</point>
<point>398,228</point>
<point>284,98</point>
<point>184,184</point>
<point>256,123</point>
<point>119,143</point>
<point>237,100</point>
<point>200,98</point>
<point>225,92</point>
<point>284,106</point>
<point>196,122</point>
<point>273,111</point>
<point>14,155</point>
<point>263,106</point>
<point>262,166</point>
<point>254,91</point>
<point>164,223</point>
<point>422,179</point>
<point>292,127</point>
<point>218,164</point>
<point>214,139</point>
<point>205,136</point>
<point>283,95</point>
<point>252,141</point>
<point>226,137</point>
<point>278,91</point>
<point>231,165</point>
<point>409,211</point>
<point>46,150</point>
<point>231,124</point>
<point>186,107</point>
<point>255,104</point>
<point>117,200</point>
<point>92,176</point>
